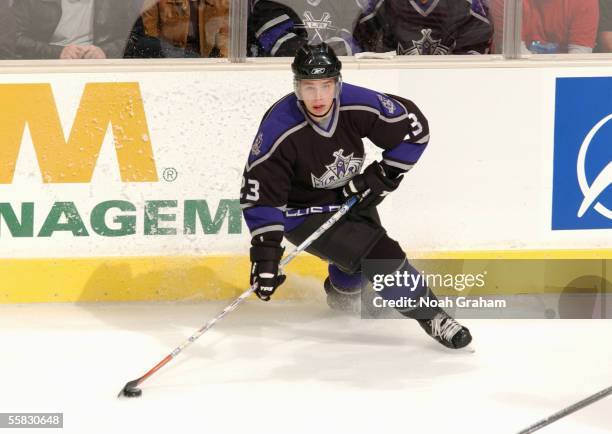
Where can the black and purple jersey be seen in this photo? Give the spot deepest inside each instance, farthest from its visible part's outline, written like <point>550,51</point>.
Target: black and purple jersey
<point>439,27</point>
<point>279,28</point>
<point>297,167</point>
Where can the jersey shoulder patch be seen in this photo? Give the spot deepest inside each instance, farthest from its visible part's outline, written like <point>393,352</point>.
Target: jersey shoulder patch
<point>356,97</point>
<point>281,120</point>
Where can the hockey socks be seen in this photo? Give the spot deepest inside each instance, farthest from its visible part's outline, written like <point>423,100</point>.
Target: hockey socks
<point>406,290</point>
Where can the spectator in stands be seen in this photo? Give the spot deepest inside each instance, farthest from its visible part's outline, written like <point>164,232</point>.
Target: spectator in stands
<point>216,27</point>
<point>605,26</point>
<point>72,29</point>
<point>7,30</point>
<point>274,29</point>
<point>279,28</point>
<point>421,27</point>
<point>141,46</point>
<point>559,26</point>
<point>496,15</point>
<point>188,28</point>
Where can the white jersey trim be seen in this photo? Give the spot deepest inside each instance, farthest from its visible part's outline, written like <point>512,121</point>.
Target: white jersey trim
<point>429,9</point>
<point>474,14</point>
<point>271,23</point>
<point>402,166</point>
<point>280,42</point>
<point>271,228</point>
<point>372,14</point>
<point>375,111</point>
<point>316,127</point>
<point>275,145</point>
<point>423,140</point>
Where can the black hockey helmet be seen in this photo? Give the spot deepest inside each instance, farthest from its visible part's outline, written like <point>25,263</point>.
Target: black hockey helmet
<point>313,62</point>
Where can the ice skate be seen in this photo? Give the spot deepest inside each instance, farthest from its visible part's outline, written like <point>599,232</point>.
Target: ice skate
<point>447,331</point>
<point>345,302</point>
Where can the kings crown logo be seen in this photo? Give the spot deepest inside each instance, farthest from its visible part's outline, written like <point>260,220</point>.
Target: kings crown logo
<point>256,148</point>
<point>387,103</point>
<point>339,172</point>
<point>426,45</point>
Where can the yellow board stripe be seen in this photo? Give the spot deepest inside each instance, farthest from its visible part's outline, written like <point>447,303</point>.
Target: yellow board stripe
<point>138,278</point>
<point>516,254</point>
<point>192,278</point>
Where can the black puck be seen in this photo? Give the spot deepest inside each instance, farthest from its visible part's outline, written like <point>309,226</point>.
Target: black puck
<point>132,392</point>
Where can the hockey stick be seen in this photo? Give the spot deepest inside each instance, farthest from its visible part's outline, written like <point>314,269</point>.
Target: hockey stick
<point>131,388</point>
<point>566,411</point>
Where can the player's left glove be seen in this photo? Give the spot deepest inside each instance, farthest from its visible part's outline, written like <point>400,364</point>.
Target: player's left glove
<point>265,271</point>
<point>379,178</point>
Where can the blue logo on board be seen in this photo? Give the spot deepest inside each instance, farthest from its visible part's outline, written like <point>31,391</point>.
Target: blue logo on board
<point>582,172</point>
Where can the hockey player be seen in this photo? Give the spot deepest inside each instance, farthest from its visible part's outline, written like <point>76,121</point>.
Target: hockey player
<point>306,161</point>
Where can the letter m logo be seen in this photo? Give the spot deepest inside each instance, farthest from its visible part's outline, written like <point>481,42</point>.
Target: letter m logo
<point>74,161</point>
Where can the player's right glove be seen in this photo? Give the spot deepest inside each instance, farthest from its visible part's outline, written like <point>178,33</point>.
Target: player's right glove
<point>265,273</point>
<point>379,178</point>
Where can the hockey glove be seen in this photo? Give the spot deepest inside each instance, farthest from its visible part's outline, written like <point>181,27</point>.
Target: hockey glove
<point>379,178</point>
<point>265,273</point>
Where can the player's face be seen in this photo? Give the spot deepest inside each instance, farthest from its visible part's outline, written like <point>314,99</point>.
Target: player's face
<point>318,95</point>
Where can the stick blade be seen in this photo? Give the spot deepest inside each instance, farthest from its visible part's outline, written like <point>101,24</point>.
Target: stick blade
<point>130,390</point>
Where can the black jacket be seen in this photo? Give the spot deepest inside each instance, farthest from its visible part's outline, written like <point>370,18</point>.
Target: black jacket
<point>38,19</point>
<point>7,31</point>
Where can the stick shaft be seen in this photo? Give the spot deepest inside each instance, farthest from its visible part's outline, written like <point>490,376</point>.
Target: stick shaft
<point>234,304</point>
<point>566,411</point>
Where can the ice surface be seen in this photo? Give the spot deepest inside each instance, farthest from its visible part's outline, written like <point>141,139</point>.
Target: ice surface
<point>289,367</point>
